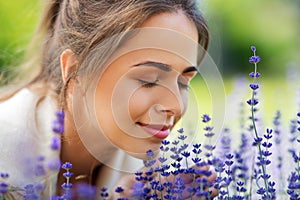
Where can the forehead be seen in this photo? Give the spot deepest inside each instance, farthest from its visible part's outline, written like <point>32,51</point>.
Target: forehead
<point>169,32</point>
<point>160,41</point>
<point>175,21</point>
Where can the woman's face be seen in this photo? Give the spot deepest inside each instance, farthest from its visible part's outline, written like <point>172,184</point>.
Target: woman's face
<point>143,93</point>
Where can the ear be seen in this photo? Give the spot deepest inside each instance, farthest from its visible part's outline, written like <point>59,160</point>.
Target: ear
<point>68,63</point>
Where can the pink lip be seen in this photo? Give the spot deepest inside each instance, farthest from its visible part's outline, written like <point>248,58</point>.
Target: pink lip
<point>158,131</point>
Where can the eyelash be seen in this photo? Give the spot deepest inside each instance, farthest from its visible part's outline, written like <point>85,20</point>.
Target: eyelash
<point>148,84</point>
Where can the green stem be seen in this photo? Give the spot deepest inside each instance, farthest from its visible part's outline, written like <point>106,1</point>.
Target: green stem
<point>251,179</point>
<point>160,181</point>
<point>263,166</point>
<point>298,165</point>
<point>227,187</point>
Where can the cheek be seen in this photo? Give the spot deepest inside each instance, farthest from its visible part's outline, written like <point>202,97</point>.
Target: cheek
<point>140,103</point>
<point>120,104</point>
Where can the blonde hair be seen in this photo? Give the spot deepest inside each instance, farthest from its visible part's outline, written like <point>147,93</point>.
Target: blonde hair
<point>80,25</point>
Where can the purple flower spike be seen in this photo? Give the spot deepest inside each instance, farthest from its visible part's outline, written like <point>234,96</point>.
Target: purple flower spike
<point>58,127</point>
<point>196,146</point>
<point>150,153</point>
<point>259,139</point>
<point>269,130</point>
<point>186,154</point>
<point>86,191</point>
<point>252,102</point>
<point>253,48</point>
<point>68,174</point>
<point>39,170</point>
<point>205,118</point>
<point>254,59</point>
<point>119,189</point>
<point>180,130</point>
<point>60,114</point>
<point>165,142</point>
<point>54,164</point>
<point>254,86</point>
<point>4,175</point>
<point>254,75</point>
<point>137,190</point>
<point>58,123</point>
<point>3,188</point>
<point>55,143</point>
<point>209,135</point>
<point>67,185</point>
<point>261,191</point>
<point>67,165</point>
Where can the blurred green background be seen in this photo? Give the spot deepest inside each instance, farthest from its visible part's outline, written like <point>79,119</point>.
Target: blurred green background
<point>18,20</point>
<point>273,26</point>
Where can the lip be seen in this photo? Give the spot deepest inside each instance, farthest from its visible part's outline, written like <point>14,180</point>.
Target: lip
<point>159,131</point>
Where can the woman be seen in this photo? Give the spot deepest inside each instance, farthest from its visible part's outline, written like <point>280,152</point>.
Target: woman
<point>120,71</point>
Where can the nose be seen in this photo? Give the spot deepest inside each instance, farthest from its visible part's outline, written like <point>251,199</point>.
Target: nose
<point>171,103</point>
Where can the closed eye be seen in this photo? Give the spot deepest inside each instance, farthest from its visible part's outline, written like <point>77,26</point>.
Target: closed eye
<point>148,84</point>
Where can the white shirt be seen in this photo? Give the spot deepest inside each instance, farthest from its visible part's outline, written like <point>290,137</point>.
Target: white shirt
<point>25,136</point>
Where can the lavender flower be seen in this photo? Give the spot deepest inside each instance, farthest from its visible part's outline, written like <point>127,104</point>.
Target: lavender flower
<point>54,164</point>
<point>150,161</point>
<point>103,193</point>
<point>205,118</point>
<point>294,177</point>
<point>253,48</point>
<point>58,123</point>
<point>254,75</point>
<point>208,134</point>
<point>138,191</point>
<point>3,188</point>
<point>67,186</point>
<point>241,173</point>
<point>55,143</point>
<point>178,188</point>
<point>254,59</point>
<point>30,193</point>
<point>67,166</point>
<point>39,167</point>
<point>119,189</point>
<point>86,191</point>
<point>4,175</point>
<point>294,186</point>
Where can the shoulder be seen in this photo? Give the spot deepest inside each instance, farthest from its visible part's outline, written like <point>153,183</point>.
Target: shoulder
<point>25,134</point>
<point>16,105</point>
<point>20,110</point>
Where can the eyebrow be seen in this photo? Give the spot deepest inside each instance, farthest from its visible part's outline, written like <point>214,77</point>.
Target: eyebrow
<point>165,67</point>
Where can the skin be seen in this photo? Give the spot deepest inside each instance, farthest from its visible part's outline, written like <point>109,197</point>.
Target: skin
<point>151,96</point>
<point>138,90</point>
